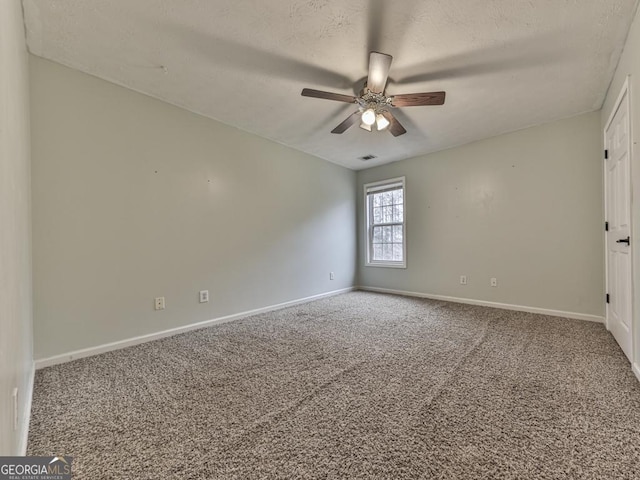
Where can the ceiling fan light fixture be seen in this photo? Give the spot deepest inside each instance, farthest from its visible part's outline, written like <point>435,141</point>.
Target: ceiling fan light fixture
<point>374,103</point>
<point>369,117</point>
<point>381,122</point>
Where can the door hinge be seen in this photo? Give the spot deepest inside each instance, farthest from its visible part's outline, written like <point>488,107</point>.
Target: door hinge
<point>606,154</point>
<point>607,298</point>
<point>606,226</point>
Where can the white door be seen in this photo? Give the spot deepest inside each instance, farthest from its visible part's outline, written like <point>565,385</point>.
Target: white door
<point>618,216</point>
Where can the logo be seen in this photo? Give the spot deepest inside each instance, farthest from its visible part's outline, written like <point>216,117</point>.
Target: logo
<point>35,468</point>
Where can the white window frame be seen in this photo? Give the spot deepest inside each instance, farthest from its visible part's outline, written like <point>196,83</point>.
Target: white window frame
<point>371,188</point>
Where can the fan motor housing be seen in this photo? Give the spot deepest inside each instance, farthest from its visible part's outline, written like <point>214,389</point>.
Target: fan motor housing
<point>377,102</point>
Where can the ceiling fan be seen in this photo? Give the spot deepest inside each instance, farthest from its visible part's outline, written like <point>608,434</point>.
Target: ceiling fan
<point>374,106</point>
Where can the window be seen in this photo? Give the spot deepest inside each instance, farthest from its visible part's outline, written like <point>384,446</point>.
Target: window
<point>386,246</point>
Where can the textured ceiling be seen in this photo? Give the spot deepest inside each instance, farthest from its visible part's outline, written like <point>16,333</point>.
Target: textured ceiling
<point>505,64</point>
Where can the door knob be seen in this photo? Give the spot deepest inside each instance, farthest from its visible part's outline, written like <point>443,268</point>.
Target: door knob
<point>624,240</point>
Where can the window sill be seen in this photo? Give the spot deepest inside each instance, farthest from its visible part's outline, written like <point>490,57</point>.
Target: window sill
<point>386,265</point>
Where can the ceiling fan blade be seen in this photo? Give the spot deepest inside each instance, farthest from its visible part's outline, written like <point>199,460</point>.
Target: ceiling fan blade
<point>351,120</point>
<point>309,92</point>
<point>418,99</point>
<point>379,64</point>
<point>394,127</point>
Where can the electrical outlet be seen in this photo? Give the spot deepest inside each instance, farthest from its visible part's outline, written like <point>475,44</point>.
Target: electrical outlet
<point>14,398</point>
<point>494,282</point>
<point>159,303</point>
<point>331,276</point>
<point>204,296</point>
<point>463,279</point>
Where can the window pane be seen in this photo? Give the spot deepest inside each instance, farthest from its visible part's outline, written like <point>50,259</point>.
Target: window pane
<point>377,234</point>
<point>387,252</point>
<point>377,215</point>
<point>397,196</point>
<point>387,214</point>
<point>377,200</point>
<point>397,252</point>
<point>387,234</point>
<point>397,213</point>
<point>387,198</point>
<point>377,252</point>
<point>397,234</point>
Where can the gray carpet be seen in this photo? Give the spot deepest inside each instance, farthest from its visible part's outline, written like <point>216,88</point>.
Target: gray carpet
<point>360,385</point>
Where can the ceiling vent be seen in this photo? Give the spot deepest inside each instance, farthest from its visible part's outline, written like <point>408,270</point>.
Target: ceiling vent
<point>367,157</point>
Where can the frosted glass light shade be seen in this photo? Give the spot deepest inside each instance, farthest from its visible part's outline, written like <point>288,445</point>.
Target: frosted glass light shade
<point>369,117</point>
<point>381,122</point>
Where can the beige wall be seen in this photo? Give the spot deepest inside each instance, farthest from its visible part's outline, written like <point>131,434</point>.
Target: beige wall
<point>16,364</point>
<point>524,207</point>
<point>630,66</point>
<point>135,198</point>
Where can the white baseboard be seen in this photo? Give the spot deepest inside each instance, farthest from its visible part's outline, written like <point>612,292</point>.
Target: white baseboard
<point>636,370</point>
<point>107,347</point>
<point>483,303</point>
<point>26,413</point>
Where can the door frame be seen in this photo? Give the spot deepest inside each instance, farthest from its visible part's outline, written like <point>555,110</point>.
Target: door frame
<point>625,90</point>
